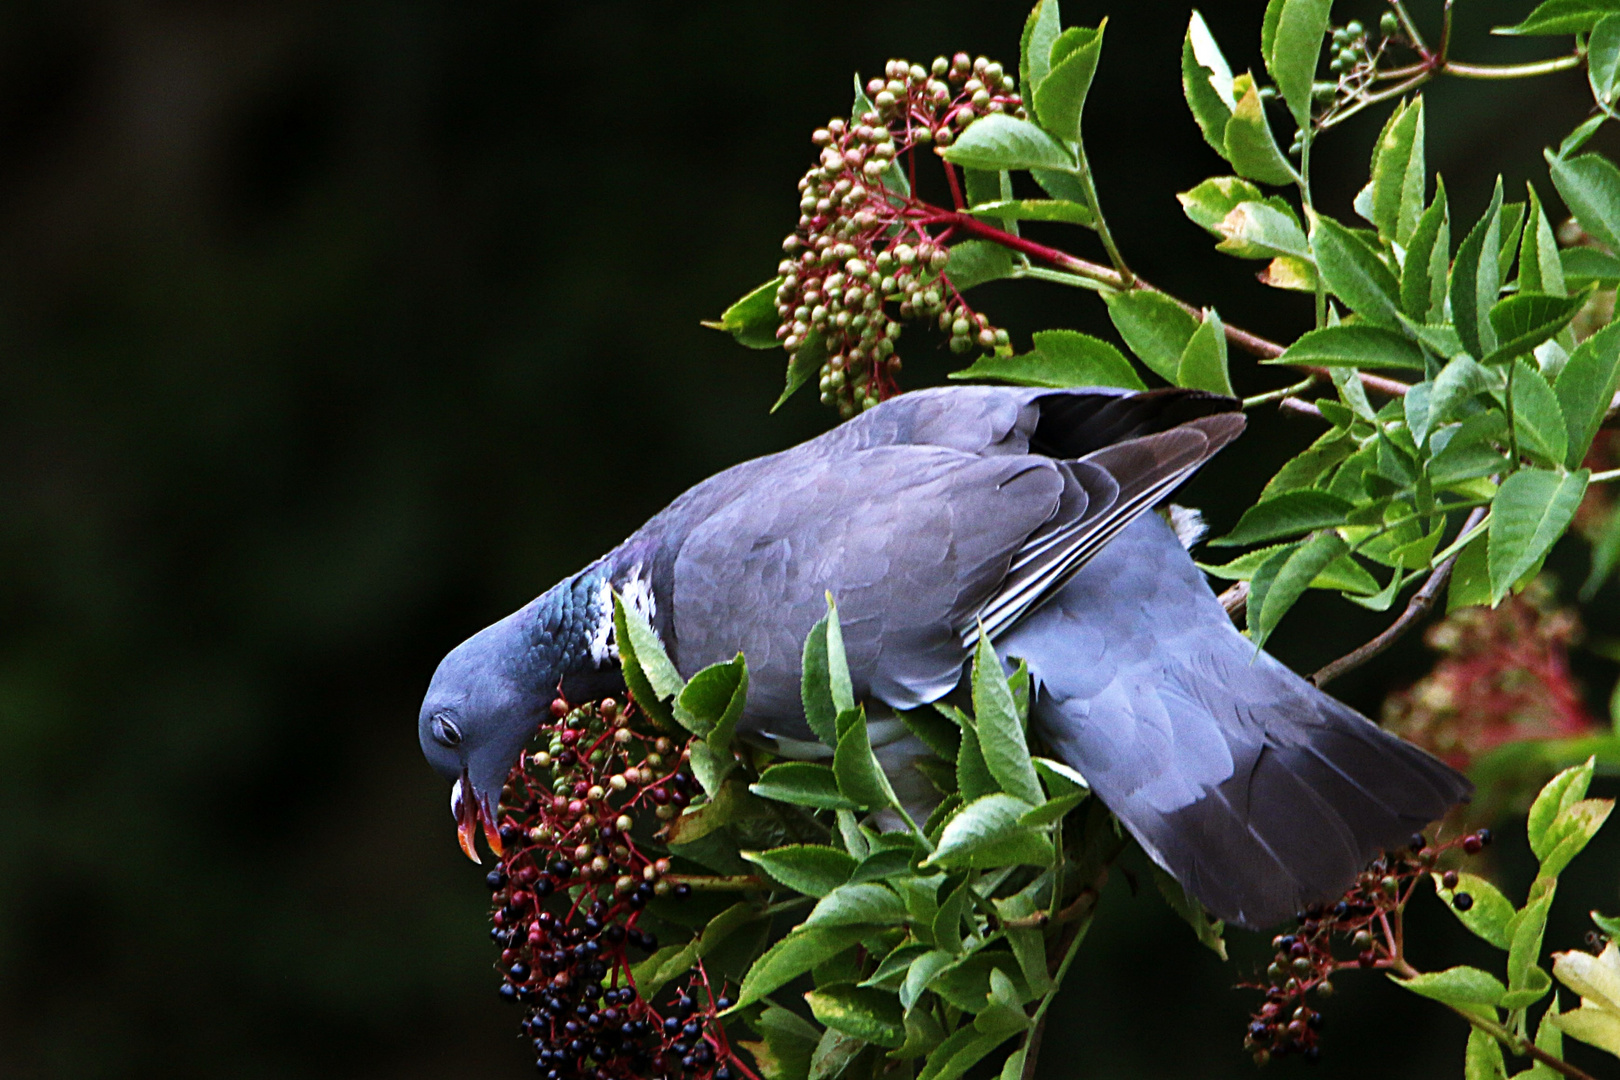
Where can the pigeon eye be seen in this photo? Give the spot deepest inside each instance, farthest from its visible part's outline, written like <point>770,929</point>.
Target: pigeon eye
<point>445,731</point>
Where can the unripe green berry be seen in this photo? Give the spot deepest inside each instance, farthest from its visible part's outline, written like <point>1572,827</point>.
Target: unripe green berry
<point>884,100</point>
<point>940,66</point>
<point>1389,24</point>
<point>1354,28</point>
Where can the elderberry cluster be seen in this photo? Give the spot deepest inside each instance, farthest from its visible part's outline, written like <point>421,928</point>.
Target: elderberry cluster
<point>570,890</point>
<point>1368,920</point>
<point>864,243</point>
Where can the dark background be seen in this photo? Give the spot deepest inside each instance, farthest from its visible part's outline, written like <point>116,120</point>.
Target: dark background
<point>330,332</point>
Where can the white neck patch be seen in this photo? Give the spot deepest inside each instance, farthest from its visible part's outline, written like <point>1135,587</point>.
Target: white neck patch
<point>638,594</point>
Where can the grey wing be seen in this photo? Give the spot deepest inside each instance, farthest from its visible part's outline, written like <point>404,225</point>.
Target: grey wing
<point>906,538</point>
<point>1258,792</point>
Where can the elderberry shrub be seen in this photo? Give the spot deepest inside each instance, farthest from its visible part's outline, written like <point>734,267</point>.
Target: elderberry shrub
<point>1368,919</point>
<point>569,893</point>
<point>866,255</point>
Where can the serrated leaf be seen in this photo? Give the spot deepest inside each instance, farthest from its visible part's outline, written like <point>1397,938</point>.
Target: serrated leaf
<point>1540,270</point>
<point>1053,810</point>
<point>1603,58</point>
<point>1585,266</point>
<point>974,262</point>
<point>1250,145</point>
<point>860,777</point>
<point>712,702</point>
<point>1000,141</point>
<point>1286,272</point>
<point>649,675</point>
<point>752,320</point>
<point>1302,566</point>
<point>1311,464</point>
<point>1203,363</point>
<point>1357,345</point>
<point>811,869</point>
<point>1475,280</point>
<point>1428,260</point>
<point>1343,574</point>
<point>1524,320</point>
<point>1490,912</point>
<point>986,834</point>
<point>805,362</point>
<point>1060,779</point>
<point>1470,578</point>
<point>1155,327</point>
<point>1183,903</point>
<point>1460,986</point>
<point>864,904</point>
<point>973,777</point>
<point>1206,82</point>
<point>794,955</point>
<point>1468,450</point>
<point>1041,29</point>
<point>868,1014</point>
<point>1537,419</point>
<point>1288,514</point>
<point>1063,210</point>
<point>1295,48</point>
<point>1558,17</point>
<point>1398,175</point>
<point>1208,204</point>
<point>1572,830</point>
<point>671,962</point>
<point>816,695</point>
<point>1259,230</point>
<point>1531,510</point>
<point>958,1053</point>
<point>1355,272</point>
<point>802,783</point>
<point>1590,187</point>
<point>833,1054</point>
<point>1585,388</point>
<point>1061,358</point>
<point>1061,97</point>
<point>1001,735</point>
<point>1482,1057</point>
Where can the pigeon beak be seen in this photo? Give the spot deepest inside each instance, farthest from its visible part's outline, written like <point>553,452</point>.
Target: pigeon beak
<point>464,807</point>
<point>491,834</point>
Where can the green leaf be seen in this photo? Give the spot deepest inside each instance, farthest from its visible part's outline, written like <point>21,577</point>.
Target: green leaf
<point>802,783</point>
<point>960,1052</point>
<point>1000,141</point>
<point>1250,146</point>
<point>1539,267</point>
<point>1428,260</point>
<point>1206,81</point>
<point>1585,266</point>
<point>1287,272</point>
<point>804,363</point>
<point>1467,451</point>
<point>1590,187</point>
<point>833,1054</point>
<point>1456,986</point>
<point>1482,1057</point>
<point>1490,912</point>
<point>1526,929</point>
<point>892,971</point>
<point>673,961</point>
<point>1295,49</point>
<point>1262,230</point>
<point>1311,464</point>
<point>1459,382</point>
<point>1474,280</point>
<point>860,777</point>
<point>1357,345</point>
<point>987,834</point>
<point>1001,735</point>
<point>1537,419</point>
<point>947,924</point>
<point>811,869</point>
<point>988,188</point>
<point>1572,830</point>
<point>1288,514</point>
<point>1203,363</point>
<point>973,777</point>
<point>1605,559</point>
<point>1063,210</point>
<point>794,955</point>
<point>1343,575</point>
<point>1585,388</point>
<point>1155,327</point>
<point>1060,779</point>
<point>789,1041</point>
<point>816,694</point>
<point>1532,509</point>
<point>1549,1038</point>
<point>1302,566</point>
<point>712,702</point>
<point>1354,271</point>
<point>974,262</point>
<point>1061,97</point>
<point>1041,29</point>
<point>1398,176</point>
<point>1524,320</point>
<point>648,673</point>
<point>1207,930</point>
<point>1603,58</point>
<point>753,319</point>
<point>1554,18</point>
<point>1208,204</point>
<point>1061,358</point>
<point>1470,578</point>
<point>871,1015</point>
<point>866,904</point>
<point>1053,810</point>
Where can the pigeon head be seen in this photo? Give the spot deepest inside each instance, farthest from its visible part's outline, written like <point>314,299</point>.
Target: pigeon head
<point>478,713</point>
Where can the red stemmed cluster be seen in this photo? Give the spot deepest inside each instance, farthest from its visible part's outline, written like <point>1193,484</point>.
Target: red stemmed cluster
<point>1366,924</point>
<point>570,891</point>
<point>1503,677</point>
<point>868,255</point>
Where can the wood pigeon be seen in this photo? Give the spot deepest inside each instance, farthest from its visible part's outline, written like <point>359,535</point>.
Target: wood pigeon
<point>1022,511</point>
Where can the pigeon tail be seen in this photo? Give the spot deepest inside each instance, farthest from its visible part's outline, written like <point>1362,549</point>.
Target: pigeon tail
<point>1261,794</point>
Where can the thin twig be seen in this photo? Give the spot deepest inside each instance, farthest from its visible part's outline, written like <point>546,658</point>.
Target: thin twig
<point>1420,604</point>
<point>1235,600</point>
<point>728,883</point>
<point>1300,408</point>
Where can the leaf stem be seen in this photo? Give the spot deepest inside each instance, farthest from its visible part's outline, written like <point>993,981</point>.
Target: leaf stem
<point>1277,395</point>
<point>1089,186</point>
<point>1032,1042</point>
<point>1603,477</point>
<point>723,883</point>
<point>1512,71</point>
<point>1411,27</point>
<point>1419,606</point>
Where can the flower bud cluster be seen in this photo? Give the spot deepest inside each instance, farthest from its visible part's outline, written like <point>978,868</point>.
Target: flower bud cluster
<point>863,259</point>
<point>1365,923</point>
<point>570,890</point>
